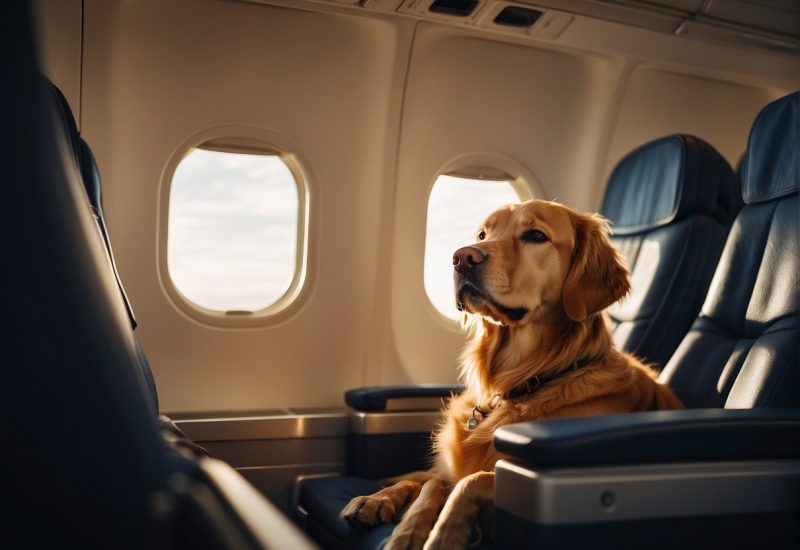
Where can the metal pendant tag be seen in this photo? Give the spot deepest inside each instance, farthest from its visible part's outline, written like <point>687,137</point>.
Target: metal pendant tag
<point>472,423</point>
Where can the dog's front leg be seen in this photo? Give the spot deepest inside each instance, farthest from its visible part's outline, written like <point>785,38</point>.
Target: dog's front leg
<point>470,500</point>
<point>413,529</point>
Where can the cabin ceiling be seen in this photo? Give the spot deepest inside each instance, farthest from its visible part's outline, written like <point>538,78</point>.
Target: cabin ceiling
<point>763,24</point>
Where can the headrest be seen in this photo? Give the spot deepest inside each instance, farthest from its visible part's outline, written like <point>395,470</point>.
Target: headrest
<point>668,179</point>
<point>771,169</point>
<point>65,116</point>
<point>87,166</point>
<point>84,159</point>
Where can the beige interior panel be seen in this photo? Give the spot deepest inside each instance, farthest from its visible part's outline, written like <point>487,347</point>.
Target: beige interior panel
<point>58,28</point>
<point>660,102</point>
<point>159,72</point>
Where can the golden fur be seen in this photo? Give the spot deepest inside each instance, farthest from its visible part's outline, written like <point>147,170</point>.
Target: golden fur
<point>534,284</point>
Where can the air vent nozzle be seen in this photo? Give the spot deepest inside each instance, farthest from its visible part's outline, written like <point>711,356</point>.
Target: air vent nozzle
<point>517,16</point>
<point>459,8</point>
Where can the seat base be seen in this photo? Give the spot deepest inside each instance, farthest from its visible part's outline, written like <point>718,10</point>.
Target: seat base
<point>775,531</point>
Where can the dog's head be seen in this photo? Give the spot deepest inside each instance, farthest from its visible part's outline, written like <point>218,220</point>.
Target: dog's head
<point>539,257</point>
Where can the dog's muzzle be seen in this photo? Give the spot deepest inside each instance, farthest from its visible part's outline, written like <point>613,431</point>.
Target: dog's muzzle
<point>468,287</point>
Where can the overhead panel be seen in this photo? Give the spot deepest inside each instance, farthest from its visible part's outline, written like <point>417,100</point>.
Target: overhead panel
<point>517,16</point>
<point>778,16</point>
<point>458,12</point>
<point>762,24</point>
<point>524,19</point>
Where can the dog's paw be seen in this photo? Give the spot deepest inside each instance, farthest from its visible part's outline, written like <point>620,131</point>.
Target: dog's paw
<point>368,511</point>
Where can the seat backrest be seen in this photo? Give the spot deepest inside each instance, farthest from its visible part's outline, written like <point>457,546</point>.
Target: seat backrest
<point>94,189</point>
<point>670,203</point>
<point>742,351</point>
<point>91,180</point>
<point>90,175</point>
<point>82,456</point>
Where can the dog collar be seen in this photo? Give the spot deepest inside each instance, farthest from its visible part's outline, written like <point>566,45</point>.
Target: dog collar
<point>531,385</point>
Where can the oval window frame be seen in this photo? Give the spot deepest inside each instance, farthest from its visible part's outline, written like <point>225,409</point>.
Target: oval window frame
<point>481,166</point>
<point>252,140</point>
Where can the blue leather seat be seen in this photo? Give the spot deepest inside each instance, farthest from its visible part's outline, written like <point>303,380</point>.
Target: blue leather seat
<point>81,453</point>
<point>742,350</point>
<point>94,188</point>
<point>670,203</point>
<point>324,498</point>
<point>84,464</point>
<point>738,372</point>
<point>86,164</point>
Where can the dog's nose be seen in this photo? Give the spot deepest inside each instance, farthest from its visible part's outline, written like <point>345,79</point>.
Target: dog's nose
<point>466,258</point>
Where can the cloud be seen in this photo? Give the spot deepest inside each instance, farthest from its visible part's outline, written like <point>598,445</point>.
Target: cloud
<point>232,233</point>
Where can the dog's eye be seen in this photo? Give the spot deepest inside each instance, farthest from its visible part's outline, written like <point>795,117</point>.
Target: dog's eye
<point>481,235</point>
<point>533,236</point>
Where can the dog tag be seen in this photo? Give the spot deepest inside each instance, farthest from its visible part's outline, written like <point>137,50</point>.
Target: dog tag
<point>472,423</point>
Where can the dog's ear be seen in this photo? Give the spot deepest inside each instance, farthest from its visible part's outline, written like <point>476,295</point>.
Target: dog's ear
<point>597,277</point>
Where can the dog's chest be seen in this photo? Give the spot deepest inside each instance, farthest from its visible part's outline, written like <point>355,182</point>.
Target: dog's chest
<point>464,450</point>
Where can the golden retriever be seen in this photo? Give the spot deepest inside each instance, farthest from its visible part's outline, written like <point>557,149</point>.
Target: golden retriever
<point>535,285</point>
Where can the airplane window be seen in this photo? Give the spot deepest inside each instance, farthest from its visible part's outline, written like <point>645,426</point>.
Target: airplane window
<point>232,230</point>
<point>456,208</point>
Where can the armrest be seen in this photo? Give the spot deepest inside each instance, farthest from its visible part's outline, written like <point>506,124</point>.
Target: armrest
<point>390,428</point>
<point>381,398</point>
<point>264,524</point>
<point>655,437</point>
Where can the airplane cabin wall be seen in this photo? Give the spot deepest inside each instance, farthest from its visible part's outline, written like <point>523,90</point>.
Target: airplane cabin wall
<point>58,26</point>
<point>375,106</point>
<point>157,73</point>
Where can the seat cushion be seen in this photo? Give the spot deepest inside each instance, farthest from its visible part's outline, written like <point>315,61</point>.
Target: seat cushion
<point>325,498</point>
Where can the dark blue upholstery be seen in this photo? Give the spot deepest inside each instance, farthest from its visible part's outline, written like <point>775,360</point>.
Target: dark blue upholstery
<point>90,176</point>
<point>656,437</point>
<point>94,189</point>
<point>670,203</point>
<point>667,180</point>
<point>81,453</point>
<point>324,498</point>
<point>374,398</point>
<point>771,169</point>
<point>743,349</point>
<point>650,179</point>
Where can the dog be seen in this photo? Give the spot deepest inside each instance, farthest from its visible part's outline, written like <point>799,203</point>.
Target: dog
<point>534,286</point>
